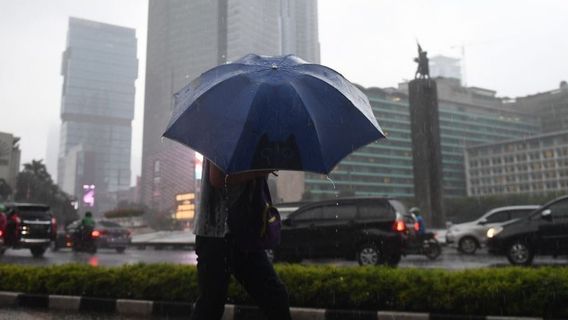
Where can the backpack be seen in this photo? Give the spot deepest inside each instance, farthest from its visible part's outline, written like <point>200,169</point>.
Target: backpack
<point>253,221</point>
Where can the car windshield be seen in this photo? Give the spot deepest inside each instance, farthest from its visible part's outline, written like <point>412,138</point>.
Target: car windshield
<point>33,212</point>
<point>109,224</point>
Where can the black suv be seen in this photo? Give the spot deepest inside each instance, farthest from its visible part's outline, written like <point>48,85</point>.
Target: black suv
<point>370,230</point>
<point>545,232</point>
<point>29,226</point>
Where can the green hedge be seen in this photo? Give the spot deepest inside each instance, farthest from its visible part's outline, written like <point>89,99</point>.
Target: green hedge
<point>503,291</point>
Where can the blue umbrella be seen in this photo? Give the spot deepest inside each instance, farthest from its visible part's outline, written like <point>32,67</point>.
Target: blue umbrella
<point>279,112</point>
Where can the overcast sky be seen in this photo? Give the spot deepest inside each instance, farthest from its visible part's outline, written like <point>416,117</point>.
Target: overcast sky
<point>516,47</point>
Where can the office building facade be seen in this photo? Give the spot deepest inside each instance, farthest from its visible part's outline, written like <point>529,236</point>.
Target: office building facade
<point>99,69</point>
<point>550,107</point>
<point>533,165</point>
<point>185,38</point>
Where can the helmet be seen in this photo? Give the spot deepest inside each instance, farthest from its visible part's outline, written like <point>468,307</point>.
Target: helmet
<point>414,210</point>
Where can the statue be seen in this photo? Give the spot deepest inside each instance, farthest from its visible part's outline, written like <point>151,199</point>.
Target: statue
<point>423,70</point>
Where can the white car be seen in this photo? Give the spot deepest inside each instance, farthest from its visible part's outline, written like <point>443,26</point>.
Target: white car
<point>467,237</point>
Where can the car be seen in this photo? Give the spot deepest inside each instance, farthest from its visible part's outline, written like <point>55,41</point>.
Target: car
<point>28,226</point>
<point>110,235</point>
<point>3,221</point>
<point>469,236</point>
<point>370,230</point>
<point>543,232</point>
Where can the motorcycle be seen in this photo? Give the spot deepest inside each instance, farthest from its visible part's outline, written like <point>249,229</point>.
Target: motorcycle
<point>425,244</point>
<point>85,240</point>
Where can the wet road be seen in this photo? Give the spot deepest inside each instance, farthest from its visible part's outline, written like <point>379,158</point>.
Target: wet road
<point>450,259</point>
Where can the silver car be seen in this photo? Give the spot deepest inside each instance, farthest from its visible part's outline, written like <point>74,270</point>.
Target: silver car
<point>469,236</point>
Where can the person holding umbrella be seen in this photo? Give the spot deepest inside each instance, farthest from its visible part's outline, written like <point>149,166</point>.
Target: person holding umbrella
<point>218,256</point>
<point>248,118</point>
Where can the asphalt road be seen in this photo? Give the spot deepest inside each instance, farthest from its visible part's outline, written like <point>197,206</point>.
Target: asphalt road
<point>450,259</point>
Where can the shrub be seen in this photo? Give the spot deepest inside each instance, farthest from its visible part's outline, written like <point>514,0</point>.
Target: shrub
<point>503,291</point>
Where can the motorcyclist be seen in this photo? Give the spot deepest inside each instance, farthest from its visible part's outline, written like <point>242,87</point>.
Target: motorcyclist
<point>88,220</point>
<point>87,225</point>
<point>420,220</point>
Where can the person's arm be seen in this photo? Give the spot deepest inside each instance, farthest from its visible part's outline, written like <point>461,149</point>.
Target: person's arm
<point>217,176</point>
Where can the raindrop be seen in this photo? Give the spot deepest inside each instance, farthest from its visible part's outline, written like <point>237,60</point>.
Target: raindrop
<point>330,180</point>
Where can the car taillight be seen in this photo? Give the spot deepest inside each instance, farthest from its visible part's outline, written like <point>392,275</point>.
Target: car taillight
<point>96,233</point>
<point>399,226</point>
<point>1,233</point>
<point>416,226</point>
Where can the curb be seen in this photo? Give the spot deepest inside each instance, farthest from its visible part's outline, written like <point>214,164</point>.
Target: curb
<point>232,312</point>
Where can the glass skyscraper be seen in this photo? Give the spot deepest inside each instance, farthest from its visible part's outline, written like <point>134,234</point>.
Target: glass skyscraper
<point>99,69</point>
<point>185,38</point>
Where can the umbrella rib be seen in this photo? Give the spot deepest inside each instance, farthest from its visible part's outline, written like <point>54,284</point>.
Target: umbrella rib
<point>247,117</point>
<point>311,117</point>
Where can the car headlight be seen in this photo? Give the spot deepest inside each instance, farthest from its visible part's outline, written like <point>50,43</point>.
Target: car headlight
<point>493,231</point>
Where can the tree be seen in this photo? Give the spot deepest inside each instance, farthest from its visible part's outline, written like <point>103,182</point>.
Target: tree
<point>34,184</point>
<point>5,190</point>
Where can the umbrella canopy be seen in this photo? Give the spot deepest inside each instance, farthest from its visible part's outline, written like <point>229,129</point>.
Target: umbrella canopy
<point>277,112</point>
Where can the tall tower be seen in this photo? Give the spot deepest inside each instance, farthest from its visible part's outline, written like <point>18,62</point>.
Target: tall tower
<point>185,38</point>
<point>99,69</point>
<point>426,143</point>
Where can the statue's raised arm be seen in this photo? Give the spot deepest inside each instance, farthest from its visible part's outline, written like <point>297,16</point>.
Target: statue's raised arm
<point>423,70</point>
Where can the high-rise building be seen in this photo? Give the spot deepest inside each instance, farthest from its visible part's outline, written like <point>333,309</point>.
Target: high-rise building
<point>533,165</point>
<point>99,69</point>
<point>185,38</point>
<point>551,107</point>
<point>445,67</point>
<point>468,116</point>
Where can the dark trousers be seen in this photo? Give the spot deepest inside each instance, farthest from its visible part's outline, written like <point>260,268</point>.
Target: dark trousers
<point>217,259</point>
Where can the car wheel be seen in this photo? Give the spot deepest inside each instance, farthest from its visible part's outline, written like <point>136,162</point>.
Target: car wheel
<point>368,254</point>
<point>520,253</point>
<point>120,250</point>
<point>433,250</point>
<point>37,252</point>
<point>2,250</point>
<point>468,245</point>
